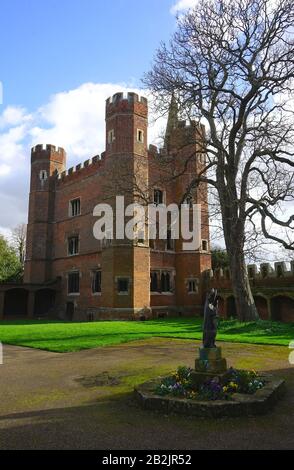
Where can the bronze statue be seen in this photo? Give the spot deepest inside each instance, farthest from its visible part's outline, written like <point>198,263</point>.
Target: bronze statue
<point>210,322</point>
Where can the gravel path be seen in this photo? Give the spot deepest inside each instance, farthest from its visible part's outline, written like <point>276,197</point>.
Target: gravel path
<point>83,400</point>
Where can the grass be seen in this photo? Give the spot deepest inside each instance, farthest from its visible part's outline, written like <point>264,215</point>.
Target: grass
<point>62,337</point>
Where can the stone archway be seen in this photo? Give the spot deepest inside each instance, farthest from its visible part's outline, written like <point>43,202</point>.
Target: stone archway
<point>16,303</point>
<point>262,307</point>
<point>282,308</point>
<point>44,302</point>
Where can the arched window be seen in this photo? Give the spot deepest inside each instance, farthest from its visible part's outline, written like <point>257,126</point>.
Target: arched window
<point>165,282</point>
<point>153,282</point>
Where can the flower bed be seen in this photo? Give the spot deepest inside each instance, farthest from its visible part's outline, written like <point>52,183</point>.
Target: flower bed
<point>180,385</point>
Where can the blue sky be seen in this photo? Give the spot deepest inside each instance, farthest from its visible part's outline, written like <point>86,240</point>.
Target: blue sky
<point>47,46</point>
<point>60,60</point>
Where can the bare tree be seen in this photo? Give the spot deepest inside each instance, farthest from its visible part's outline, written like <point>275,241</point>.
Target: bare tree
<point>19,235</point>
<point>232,64</point>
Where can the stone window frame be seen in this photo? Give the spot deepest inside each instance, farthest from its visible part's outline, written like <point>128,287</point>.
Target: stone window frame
<point>160,272</point>
<point>73,237</point>
<point>140,136</point>
<point>110,136</point>
<point>204,241</point>
<point>93,273</point>
<point>77,293</point>
<point>123,278</point>
<point>71,211</point>
<point>158,275</point>
<point>43,175</point>
<point>195,281</point>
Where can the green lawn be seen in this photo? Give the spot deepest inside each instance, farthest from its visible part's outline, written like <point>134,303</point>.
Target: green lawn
<point>67,336</point>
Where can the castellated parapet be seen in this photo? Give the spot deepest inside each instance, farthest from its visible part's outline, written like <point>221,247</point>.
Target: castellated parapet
<point>262,271</point>
<point>81,170</point>
<point>129,104</point>
<point>48,152</point>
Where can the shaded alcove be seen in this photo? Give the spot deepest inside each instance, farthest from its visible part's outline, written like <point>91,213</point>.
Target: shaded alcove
<point>69,311</point>
<point>44,302</point>
<point>282,308</point>
<point>16,303</point>
<point>262,308</point>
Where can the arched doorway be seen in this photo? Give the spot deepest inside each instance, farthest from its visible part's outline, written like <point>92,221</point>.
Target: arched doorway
<point>231,307</point>
<point>16,303</point>
<point>282,308</point>
<point>261,305</point>
<point>44,302</point>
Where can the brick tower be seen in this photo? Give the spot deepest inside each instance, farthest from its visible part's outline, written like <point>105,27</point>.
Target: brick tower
<point>126,263</point>
<point>45,161</point>
<point>186,142</point>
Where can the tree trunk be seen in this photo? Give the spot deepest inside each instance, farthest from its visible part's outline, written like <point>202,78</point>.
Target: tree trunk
<point>245,306</point>
<point>234,235</point>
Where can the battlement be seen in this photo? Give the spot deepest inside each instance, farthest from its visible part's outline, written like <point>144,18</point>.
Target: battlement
<point>263,271</point>
<point>126,103</point>
<point>128,97</point>
<point>48,152</point>
<point>81,169</point>
<point>47,148</point>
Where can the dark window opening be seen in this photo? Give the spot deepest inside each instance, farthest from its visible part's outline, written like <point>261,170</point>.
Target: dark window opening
<point>140,136</point>
<point>165,282</point>
<point>154,282</point>
<point>75,207</point>
<point>158,196</point>
<point>204,245</point>
<point>74,282</point>
<point>73,246</point>
<point>96,282</point>
<point>192,285</point>
<point>123,285</point>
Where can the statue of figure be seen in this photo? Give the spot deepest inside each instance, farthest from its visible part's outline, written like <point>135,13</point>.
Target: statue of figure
<point>210,322</point>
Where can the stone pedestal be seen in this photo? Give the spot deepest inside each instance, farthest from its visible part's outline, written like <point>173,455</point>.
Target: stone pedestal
<point>209,365</point>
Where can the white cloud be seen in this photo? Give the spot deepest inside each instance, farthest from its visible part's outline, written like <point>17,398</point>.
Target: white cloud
<point>182,5</point>
<point>13,115</point>
<point>74,120</point>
